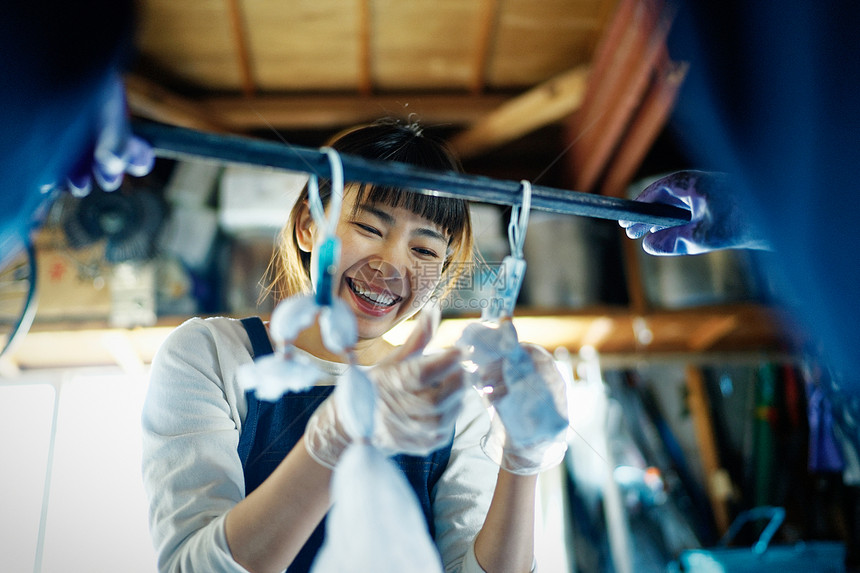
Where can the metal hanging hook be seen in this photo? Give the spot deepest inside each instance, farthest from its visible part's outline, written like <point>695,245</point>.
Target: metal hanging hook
<point>520,221</point>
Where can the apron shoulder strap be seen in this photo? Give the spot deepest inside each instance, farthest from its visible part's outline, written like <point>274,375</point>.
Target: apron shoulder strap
<point>260,343</point>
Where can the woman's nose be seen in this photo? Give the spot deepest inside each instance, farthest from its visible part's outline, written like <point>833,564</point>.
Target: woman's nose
<point>392,259</point>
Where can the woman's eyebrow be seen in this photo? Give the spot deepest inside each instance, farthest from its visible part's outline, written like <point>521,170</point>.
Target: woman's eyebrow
<point>389,220</point>
<point>379,214</point>
<point>431,234</point>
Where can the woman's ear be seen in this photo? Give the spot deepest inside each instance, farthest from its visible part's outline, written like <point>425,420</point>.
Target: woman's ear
<point>305,228</point>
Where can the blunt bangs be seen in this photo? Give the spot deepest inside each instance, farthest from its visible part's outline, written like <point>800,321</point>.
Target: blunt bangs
<point>446,213</point>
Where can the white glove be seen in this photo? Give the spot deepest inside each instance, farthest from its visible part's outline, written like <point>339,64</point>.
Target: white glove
<point>417,399</point>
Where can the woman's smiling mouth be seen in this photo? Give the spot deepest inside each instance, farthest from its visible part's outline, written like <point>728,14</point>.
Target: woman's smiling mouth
<point>370,300</point>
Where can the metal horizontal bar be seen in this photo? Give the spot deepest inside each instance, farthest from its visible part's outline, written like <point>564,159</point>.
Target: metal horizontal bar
<point>181,143</point>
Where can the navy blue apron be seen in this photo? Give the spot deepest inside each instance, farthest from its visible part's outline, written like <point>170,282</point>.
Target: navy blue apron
<point>271,430</point>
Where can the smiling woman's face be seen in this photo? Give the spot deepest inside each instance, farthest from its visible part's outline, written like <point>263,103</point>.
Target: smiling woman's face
<point>391,262</point>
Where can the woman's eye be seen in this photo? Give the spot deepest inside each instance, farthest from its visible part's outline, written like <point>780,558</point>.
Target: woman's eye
<point>368,229</point>
<point>426,252</point>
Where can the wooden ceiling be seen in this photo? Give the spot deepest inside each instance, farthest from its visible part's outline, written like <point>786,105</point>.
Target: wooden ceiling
<point>490,71</point>
<point>259,47</point>
<point>490,74</point>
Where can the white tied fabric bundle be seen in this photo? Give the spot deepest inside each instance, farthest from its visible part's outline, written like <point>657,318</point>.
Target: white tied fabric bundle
<point>286,370</point>
<point>376,522</point>
<point>362,532</point>
<point>522,386</point>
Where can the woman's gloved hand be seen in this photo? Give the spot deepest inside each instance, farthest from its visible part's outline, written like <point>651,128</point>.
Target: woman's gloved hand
<point>716,220</point>
<point>525,393</point>
<point>417,399</point>
<point>116,150</point>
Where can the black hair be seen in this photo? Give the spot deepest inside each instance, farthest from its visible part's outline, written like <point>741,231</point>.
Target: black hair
<point>391,140</point>
<point>384,140</point>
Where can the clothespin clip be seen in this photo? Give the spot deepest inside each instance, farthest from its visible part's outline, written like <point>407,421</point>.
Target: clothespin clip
<point>512,270</point>
<point>329,245</point>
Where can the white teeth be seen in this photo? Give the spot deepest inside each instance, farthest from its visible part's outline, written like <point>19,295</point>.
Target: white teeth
<point>379,298</point>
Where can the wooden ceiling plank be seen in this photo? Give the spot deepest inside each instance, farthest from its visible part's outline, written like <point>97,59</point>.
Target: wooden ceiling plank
<point>303,46</point>
<point>547,103</point>
<point>424,45</point>
<point>487,19</point>
<point>240,41</point>
<point>191,41</point>
<point>644,129</point>
<point>599,128</point>
<point>336,111</point>
<point>149,100</point>
<point>365,55</point>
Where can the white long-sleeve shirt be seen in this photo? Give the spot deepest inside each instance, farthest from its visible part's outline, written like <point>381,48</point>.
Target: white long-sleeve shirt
<point>192,419</point>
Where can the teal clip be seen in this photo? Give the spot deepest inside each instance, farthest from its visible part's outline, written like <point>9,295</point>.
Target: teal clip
<point>328,246</point>
<point>329,255</point>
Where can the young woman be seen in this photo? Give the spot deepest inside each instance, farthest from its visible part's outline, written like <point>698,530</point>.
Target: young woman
<point>239,484</point>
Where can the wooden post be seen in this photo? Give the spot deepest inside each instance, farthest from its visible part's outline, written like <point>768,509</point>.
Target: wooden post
<point>717,482</point>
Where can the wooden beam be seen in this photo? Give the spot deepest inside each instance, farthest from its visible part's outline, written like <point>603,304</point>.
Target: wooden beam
<point>148,100</point>
<point>610,330</point>
<point>605,68</point>
<point>547,103</point>
<point>614,96</point>
<point>240,41</point>
<point>644,129</point>
<point>487,17</point>
<point>711,331</point>
<point>715,476</point>
<point>598,331</point>
<point>640,137</point>
<point>605,12</point>
<point>336,111</point>
<point>365,55</point>
<point>606,52</point>
<point>633,276</point>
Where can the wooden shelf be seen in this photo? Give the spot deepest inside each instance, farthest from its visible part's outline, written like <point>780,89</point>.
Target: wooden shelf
<point>731,328</point>
<point>617,331</point>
